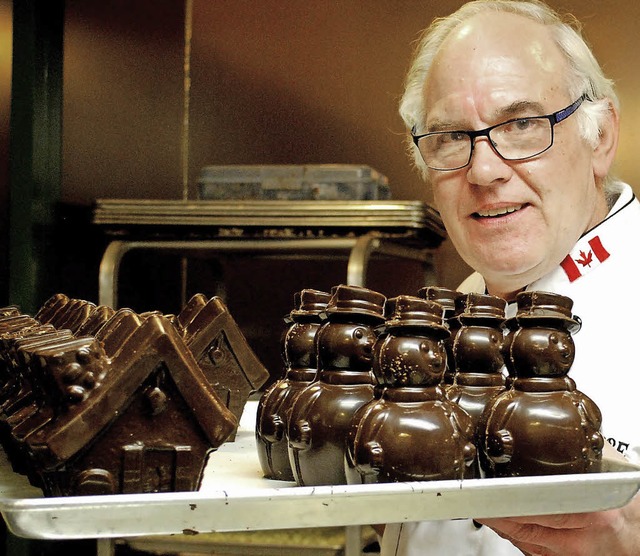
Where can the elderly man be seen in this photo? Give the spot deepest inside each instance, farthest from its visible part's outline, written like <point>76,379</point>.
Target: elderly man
<point>515,128</point>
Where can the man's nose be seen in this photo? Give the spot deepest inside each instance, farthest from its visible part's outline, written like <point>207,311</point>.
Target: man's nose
<point>487,167</point>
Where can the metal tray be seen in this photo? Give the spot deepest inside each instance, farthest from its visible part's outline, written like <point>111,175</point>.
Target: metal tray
<point>235,497</point>
<point>379,215</point>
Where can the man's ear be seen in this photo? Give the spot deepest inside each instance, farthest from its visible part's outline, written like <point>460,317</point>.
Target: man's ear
<point>605,150</point>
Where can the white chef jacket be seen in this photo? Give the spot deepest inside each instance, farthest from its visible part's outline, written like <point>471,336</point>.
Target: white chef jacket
<point>601,275</point>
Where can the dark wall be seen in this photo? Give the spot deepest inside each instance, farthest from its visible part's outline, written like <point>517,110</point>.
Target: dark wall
<point>271,82</point>
<point>5,102</point>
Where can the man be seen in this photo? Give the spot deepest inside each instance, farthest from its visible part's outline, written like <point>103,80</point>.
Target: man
<point>515,128</point>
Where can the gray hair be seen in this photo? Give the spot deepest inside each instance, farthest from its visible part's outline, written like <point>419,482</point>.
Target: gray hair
<point>584,78</point>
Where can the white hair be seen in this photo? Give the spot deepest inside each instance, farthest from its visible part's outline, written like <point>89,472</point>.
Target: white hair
<point>584,78</point>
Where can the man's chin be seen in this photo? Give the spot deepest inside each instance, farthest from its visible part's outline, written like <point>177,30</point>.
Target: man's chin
<point>508,275</point>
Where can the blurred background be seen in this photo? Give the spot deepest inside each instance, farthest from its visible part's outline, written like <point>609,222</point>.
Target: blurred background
<point>271,82</point>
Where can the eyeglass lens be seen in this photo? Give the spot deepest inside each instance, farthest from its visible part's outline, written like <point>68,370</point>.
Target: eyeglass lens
<point>513,140</point>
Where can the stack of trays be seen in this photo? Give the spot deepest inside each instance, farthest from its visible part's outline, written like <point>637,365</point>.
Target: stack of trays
<point>388,218</point>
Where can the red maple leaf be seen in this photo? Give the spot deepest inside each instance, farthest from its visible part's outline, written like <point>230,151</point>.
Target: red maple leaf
<point>585,258</point>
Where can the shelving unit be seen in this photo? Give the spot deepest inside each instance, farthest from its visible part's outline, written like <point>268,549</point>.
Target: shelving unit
<point>281,229</point>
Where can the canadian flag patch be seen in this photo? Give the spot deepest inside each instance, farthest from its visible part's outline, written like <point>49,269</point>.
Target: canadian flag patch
<point>584,258</point>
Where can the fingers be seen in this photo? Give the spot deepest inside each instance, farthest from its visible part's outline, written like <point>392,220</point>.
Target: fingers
<point>553,521</point>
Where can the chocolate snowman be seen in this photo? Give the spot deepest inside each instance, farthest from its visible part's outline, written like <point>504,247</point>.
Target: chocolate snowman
<point>322,412</point>
<point>449,301</point>
<point>477,355</point>
<point>542,425</point>
<point>412,431</point>
<point>300,362</point>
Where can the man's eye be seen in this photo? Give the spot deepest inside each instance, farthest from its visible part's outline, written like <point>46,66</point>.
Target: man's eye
<point>520,125</point>
<point>523,124</point>
<point>452,137</point>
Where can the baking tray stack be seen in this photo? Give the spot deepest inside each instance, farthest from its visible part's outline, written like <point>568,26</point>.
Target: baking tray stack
<point>250,218</point>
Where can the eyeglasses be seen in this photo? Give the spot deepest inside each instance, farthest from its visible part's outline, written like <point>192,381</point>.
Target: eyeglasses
<point>516,139</point>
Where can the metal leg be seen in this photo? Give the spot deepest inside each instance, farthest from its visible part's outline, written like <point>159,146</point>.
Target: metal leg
<point>369,244</point>
<point>353,540</point>
<point>106,547</point>
<point>109,268</point>
<point>359,259</point>
<point>360,250</point>
<point>115,251</point>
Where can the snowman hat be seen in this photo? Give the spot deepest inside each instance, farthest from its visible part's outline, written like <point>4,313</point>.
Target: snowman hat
<point>445,296</point>
<point>480,306</point>
<point>356,300</point>
<point>310,302</point>
<point>418,312</point>
<point>547,306</point>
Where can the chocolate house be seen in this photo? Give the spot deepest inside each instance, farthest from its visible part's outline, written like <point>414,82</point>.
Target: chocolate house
<point>97,401</point>
<point>221,350</point>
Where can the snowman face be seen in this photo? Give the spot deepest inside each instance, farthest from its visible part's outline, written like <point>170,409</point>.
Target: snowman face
<point>345,346</point>
<point>434,357</point>
<point>542,351</point>
<point>410,361</point>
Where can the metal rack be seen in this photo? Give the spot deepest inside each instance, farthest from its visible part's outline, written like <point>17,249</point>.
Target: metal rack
<point>399,229</point>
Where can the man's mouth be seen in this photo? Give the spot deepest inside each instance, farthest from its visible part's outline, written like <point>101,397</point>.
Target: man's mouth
<point>494,213</point>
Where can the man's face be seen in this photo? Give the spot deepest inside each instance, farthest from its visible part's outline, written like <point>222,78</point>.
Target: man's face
<point>513,221</point>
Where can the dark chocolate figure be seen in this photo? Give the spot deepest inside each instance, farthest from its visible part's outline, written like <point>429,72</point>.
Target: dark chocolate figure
<point>449,301</point>
<point>543,425</point>
<point>301,367</point>
<point>477,356</point>
<point>322,412</point>
<point>411,431</point>
<point>120,402</point>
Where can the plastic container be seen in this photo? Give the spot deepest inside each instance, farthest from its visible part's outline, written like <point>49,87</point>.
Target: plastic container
<point>293,182</point>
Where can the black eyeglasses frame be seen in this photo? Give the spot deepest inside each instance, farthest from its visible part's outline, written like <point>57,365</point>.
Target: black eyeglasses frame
<point>554,118</point>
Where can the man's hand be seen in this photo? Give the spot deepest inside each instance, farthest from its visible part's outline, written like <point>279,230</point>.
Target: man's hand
<point>587,534</point>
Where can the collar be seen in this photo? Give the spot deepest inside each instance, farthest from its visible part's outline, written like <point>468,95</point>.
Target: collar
<point>595,246</point>
<point>592,249</point>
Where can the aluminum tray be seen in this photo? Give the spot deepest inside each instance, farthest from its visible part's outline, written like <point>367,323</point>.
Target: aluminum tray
<point>327,214</point>
<point>235,497</point>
